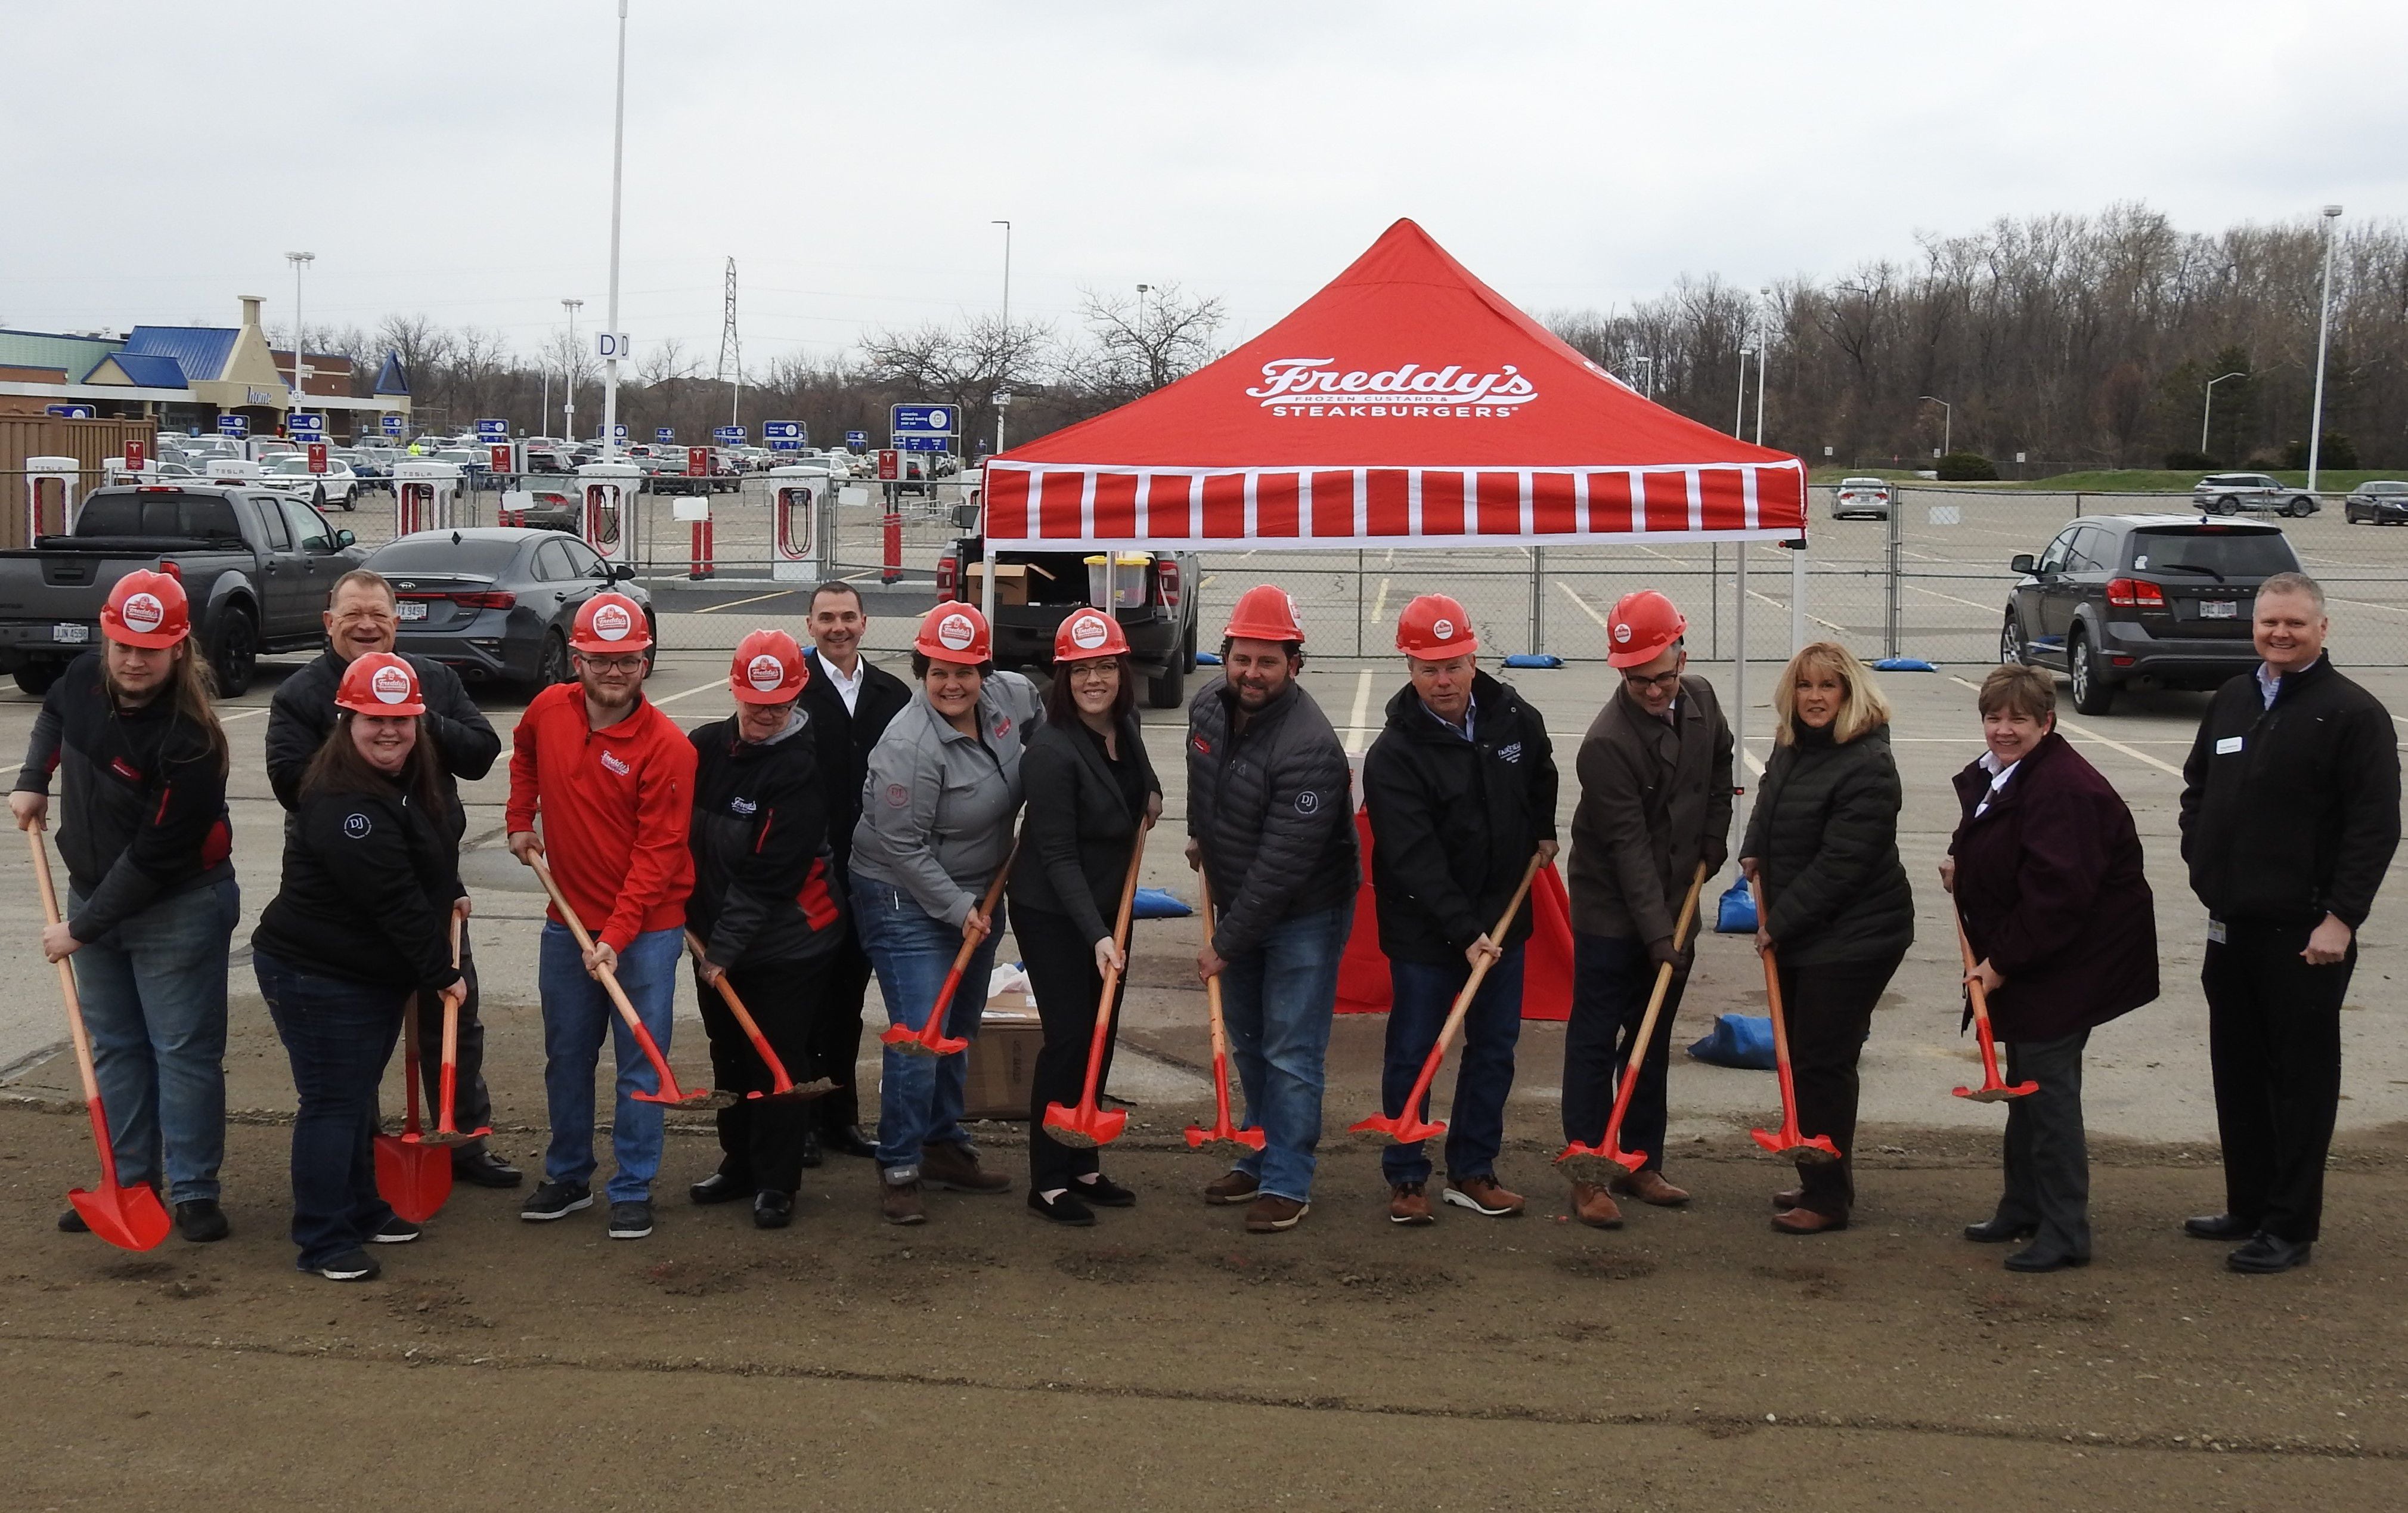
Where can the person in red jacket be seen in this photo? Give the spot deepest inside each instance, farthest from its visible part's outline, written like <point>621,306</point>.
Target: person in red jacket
<point>613,779</point>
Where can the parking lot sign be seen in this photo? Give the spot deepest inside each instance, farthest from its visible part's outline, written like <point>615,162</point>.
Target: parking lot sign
<point>922,444</point>
<point>68,411</point>
<point>697,462</point>
<point>729,435</point>
<point>233,426</point>
<point>783,434</point>
<point>301,424</point>
<point>924,420</point>
<point>890,465</point>
<point>665,435</point>
<point>316,457</point>
<point>618,433</point>
<point>857,440</point>
<point>490,431</point>
<point>391,426</point>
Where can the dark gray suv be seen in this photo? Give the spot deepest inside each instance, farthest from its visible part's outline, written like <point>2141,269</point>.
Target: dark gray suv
<point>2161,600</point>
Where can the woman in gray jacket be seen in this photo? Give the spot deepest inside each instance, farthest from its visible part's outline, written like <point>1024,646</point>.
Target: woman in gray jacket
<point>938,797</point>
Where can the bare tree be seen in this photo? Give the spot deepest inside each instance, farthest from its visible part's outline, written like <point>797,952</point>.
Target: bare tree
<point>1137,345</point>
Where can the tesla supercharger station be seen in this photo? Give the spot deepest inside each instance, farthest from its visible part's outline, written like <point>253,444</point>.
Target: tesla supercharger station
<point>49,495</point>
<point>607,494</point>
<point>425,496</point>
<point>800,494</point>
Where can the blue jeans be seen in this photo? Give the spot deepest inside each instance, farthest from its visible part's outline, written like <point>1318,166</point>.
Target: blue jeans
<point>1278,1000</point>
<point>1423,994</point>
<point>154,992</point>
<point>339,1035</point>
<point>576,1014</point>
<point>919,1097</point>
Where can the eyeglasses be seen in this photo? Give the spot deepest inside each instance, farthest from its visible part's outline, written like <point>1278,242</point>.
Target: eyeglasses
<point>1638,683</point>
<point>1097,671</point>
<point>633,663</point>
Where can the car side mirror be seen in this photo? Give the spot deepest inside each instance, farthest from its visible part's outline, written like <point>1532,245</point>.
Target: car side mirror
<point>965,517</point>
<point>344,538</point>
<point>622,572</point>
<point>2024,563</point>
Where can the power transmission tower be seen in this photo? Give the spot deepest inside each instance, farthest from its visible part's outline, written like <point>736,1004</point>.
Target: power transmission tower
<point>731,349</point>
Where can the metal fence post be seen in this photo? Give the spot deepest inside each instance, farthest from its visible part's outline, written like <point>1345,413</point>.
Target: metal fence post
<point>1897,529</point>
<point>1358,602</point>
<point>1714,602</point>
<point>1538,616</point>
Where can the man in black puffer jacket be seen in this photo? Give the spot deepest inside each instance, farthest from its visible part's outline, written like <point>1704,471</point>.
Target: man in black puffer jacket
<point>1268,824</point>
<point>767,918</point>
<point>2290,813</point>
<point>1461,789</point>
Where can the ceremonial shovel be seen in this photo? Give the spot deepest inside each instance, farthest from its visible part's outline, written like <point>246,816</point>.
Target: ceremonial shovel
<point>1222,1132</point>
<point>1790,1140</point>
<point>1087,1125</point>
<point>781,1084</point>
<point>1405,1126</point>
<point>445,1131</point>
<point>930,1039</point>
<point>670,1093</point>
<point>1607,1158</point>
<point>1994,1089</point>
<point>130,1219</point>
<point>413,1177</point>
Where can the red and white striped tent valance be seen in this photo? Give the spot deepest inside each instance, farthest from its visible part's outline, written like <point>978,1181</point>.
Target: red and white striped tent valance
<point>1405,404</point>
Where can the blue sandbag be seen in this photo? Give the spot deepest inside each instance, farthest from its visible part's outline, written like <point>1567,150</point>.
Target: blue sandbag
<point>1208,658</point>
<point>1158,903</point>
<point>1903,664</point>
<point>1738,1040</point>
<point>1547,660</point>
<point>1735,914</point>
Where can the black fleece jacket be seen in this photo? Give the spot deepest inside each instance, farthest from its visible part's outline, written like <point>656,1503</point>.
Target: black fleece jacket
<point>1455,821</point>
<point>761,868</point>
<point>369,880</point>
<point>2293,812</point>
<point>143,813</point>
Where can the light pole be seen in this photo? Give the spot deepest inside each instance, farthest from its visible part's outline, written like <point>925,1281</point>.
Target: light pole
<point>1650,362</point>
<point>1763,340</point>
<point>300,261</point>
<point>2324,329</point>
<point>1002,399</point>
<point>1143,344</point>
<point>568,379</point>
<point>618,162</point>
<point>1947,423</point>
<point>2208,408</point>
<point>1739,416</point>
<point>1007,276</point>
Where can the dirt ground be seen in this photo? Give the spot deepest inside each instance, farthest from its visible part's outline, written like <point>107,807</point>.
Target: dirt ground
<point>1164,1359</point>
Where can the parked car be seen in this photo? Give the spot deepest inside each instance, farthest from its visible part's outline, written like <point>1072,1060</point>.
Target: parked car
<point>2161,600</point>
<point>1865,497</point>
<point>257,567</point>
<point>496,603</point>
<point>287,473</point>
<point>2381,502</point>
<point>2224,493</point>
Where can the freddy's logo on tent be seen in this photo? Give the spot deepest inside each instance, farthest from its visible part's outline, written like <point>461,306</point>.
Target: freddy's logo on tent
<point>1317,386</point>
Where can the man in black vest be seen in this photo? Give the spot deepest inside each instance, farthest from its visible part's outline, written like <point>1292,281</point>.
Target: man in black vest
<point>2291,813</point>
<point>849,702</point>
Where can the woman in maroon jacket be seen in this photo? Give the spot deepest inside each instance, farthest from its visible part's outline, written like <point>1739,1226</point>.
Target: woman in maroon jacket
<point>2046,867</point>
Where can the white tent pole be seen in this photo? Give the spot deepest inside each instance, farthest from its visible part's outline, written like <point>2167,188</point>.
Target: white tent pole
<point>1738,692</point>
<point>986,579</point>
<point>1798,598</point>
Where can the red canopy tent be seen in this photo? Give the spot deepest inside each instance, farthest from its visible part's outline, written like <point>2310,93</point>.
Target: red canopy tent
<point>1407,404</point>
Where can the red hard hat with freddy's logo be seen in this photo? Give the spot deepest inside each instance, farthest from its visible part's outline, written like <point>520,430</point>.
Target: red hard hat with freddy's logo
<point>1434,629</point>
<point>1642,626</point>
<point>379,684</point>
<point>610,623</point>
<point>146,609</point>
<point>954,633</point>
<point>1264,612</point>
<point>768,668</point>
<point>1089,633</point>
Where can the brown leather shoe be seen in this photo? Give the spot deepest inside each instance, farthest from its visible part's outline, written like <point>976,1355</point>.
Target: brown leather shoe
<point>953,1168</point>
<point>1408,1203</point>
<point>1232,1187</point>
<point>900,1203</point>
<point>1649,1187</point>
<point>1789,1198</point>
<point>1806,1221</point>
<point>1272,1214</point>
<point>1482,1195</point>
<point>1594,1207</point>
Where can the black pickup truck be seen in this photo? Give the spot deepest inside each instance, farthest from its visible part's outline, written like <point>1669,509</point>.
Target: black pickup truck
<point>1161,630</point>
<point>256,568</point>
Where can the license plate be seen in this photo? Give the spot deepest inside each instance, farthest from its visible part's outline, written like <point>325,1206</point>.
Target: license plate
<point>2218,609</point>
<point>71,634</point>
<point>413,609</point>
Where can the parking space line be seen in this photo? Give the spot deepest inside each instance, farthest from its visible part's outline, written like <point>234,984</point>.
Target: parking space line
<point>242,714</point>
<point>739,603</point>
<point>699,688</point>
<point>1782,605</point>
<point>1988,609</point>
<point>1590,610</point>
<point>1357,730</point>
<point>1380,603</point>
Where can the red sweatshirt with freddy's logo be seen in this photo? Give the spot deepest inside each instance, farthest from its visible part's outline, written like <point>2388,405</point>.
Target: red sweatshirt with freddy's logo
<point>616,804</point>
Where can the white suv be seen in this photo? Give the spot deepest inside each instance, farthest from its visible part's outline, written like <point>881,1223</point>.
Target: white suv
<point>2225,494</point>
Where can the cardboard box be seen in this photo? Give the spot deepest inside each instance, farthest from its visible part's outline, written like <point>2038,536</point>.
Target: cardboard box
<point>1010,582</point>
<point>1002,1072</point>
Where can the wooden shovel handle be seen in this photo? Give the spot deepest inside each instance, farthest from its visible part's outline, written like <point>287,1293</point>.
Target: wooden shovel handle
<point>66,976</point>
<point>608,979</point>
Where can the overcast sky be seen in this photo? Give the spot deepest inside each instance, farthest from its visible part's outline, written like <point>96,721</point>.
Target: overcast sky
<point>454,159</point>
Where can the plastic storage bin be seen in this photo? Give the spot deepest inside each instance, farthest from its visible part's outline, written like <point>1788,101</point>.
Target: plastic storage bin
<point>1117,584</point>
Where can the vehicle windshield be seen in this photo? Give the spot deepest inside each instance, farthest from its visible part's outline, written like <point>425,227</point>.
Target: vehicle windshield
<point>2212,552</point>
<point>440,554</point>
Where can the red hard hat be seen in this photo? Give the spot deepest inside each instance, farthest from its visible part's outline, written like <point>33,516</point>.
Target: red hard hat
<point>954,633</point>
<point>1642,627</point>
<point>1089,633</point>
<point>1434,627</point>
<point>768,668</point>
<point>146,609</point>
<point>1264,612</point>
<point>380,684</point>
<point>610,623</point>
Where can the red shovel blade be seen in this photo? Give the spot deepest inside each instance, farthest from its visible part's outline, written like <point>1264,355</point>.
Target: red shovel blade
<point>130,1219</point>
<point>1084,1127</point>
<point>918,1043</point>
<point>694,1098</point>
<point>1399,1129</point>
<point>412,1176</point>
<point>453,1137</point>
<point>1817,1150</point>
<point>1222,1135</point>
<point>2001,1093</point>
<point>1599,1165</point>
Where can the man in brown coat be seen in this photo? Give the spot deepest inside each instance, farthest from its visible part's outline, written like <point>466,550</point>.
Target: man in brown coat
<point>1655,801</point>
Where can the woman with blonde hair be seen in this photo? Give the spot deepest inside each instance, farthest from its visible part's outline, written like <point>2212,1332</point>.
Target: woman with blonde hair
<point>1822,842</point>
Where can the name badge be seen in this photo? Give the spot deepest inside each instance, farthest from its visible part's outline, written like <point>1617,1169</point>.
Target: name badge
<point>2229,745</point>
<point>2215,931</point>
